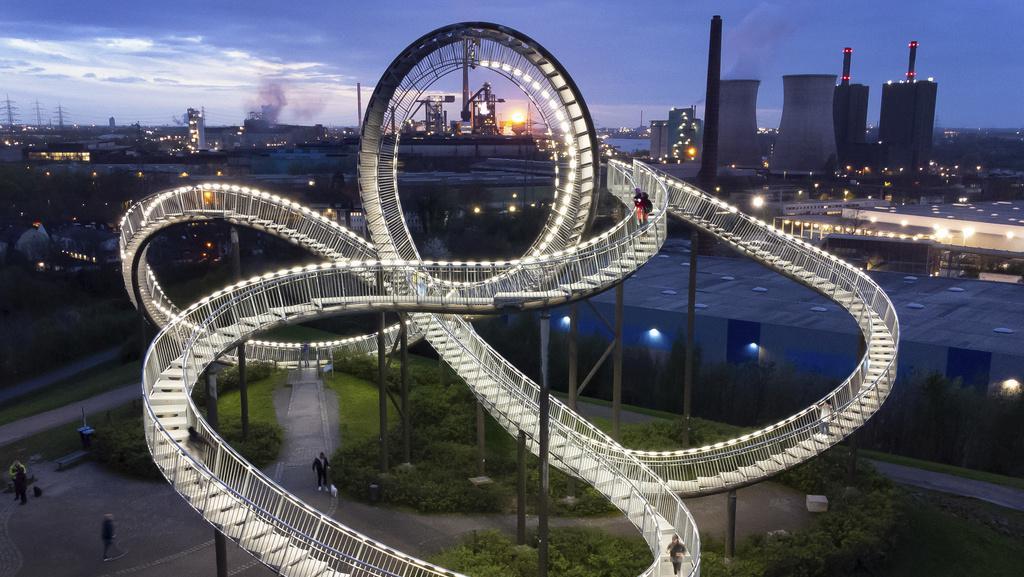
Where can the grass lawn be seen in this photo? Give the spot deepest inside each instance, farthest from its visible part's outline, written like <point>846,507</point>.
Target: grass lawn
<point>939,544</point>
<point>60,440</point>
<point>261,400</point>
<point>74,388</point>
<point>1015,482</point>
<point>359,415</point>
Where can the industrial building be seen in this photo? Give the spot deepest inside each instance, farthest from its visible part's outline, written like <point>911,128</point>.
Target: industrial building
<point>907,119</point>
<point>806,142</point>
<point>196,130</point>
<point>678,138</point>
<point>737,124</point>
<point>746,312</point>
<point>986,238</point>
<point>850,116</point>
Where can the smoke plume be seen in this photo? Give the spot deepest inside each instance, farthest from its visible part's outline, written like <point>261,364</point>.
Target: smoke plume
<point>275,95</point>
<point>753,45</point>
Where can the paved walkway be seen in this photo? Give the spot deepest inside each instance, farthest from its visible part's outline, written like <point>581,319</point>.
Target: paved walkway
<point>1003,496</point>
<point>17,389</point>
<point>17,430</point>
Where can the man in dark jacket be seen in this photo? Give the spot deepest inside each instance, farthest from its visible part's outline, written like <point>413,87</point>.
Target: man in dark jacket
<point>21,485</point>
<point>320,465</point>
<point>108,535</point>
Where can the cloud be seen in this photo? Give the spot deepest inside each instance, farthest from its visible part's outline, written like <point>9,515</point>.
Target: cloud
<point>124,79</point>
<point>160,74</point>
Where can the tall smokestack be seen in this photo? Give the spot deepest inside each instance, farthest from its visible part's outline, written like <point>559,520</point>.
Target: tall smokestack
<point>911,75</point>
<point>709,157</point>
<point>847,54</point>
<point>359,107</point>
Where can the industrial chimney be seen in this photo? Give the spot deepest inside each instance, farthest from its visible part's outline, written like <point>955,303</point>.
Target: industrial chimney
<point>850,117</point>
<point>807,139</point>
<point>911,75</point>
<point>737,128</point>
<point>709,157</point>
<point>847,54</point>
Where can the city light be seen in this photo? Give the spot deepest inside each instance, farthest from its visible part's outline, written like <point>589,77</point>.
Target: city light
<point>511,208</point>
<point>518,117</point>
<point>566,320</point>
<point>654,333</point>
<point>968,233</point>
<point>757,202</point>
<point>1010,386</point>
<point>476,210</point>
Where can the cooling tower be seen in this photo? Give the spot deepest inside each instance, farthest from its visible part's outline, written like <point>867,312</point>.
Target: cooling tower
<point>737,124</point>
<point>807,138</point>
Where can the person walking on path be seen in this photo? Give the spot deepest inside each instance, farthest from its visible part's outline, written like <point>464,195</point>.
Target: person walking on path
<point>676,552</point>
<point>108,535</point>
<point>20,484</point>
<point>321,466</point>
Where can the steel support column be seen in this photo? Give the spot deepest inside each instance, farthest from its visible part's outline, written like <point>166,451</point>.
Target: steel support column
<point>691,336</point>
<point>730,531</point>
<point>574,333</point>
<point>382,395</point>
<point>521,489</point>
<point>481,440</point>
<point>617,363</point>
<point>243,385</point>
<point>544,406</point>
<point>403,336</point>
<point>219,544</point>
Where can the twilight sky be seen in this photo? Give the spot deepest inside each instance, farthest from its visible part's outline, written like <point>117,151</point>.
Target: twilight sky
<point>140,61</point>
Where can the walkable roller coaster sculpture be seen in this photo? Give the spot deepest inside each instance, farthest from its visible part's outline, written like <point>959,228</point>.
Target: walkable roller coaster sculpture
<point>357,276</point>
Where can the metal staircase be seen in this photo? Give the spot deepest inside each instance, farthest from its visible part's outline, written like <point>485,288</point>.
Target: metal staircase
<point>295,539</point>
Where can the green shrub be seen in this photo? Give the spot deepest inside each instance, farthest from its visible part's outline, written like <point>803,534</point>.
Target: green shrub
<point>227,380</point>
<point>121,445</point>
<point>856,532</point>
<point>264,442</point>
<point>573,552</point>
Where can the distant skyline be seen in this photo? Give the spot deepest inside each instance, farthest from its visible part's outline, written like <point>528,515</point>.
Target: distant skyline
<point>138,61</point>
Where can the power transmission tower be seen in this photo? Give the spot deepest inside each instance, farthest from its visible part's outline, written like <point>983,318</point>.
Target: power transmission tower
<point>10,110</point>
<point>39,116</point>
<point>60,116</point>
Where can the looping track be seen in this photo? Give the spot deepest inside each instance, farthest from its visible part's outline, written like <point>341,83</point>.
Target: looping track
<point>295,539</point>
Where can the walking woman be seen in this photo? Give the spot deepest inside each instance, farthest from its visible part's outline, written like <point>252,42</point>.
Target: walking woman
<point>676,551</point>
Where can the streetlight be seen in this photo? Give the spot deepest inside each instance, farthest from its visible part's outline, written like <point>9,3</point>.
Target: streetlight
<point>757,202</point>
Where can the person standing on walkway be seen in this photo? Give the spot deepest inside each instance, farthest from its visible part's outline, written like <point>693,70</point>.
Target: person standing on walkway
<point>638,205</point>
<point>20,484</point>
<point>108,535</point>
<point>825,413</point>
<point>676,552</point>
<point>321,466</point>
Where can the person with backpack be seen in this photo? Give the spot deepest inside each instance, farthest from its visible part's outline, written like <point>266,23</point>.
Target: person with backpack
<point>647,204</point>
<point>321,466</point>
<point>638,206</point>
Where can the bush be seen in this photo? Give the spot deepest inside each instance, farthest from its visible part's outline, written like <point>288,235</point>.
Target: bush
<point>574,552</point>
<point>121,445</point>
<point>227,380</point>
<point>853,536</point>
<point>264,442</point>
